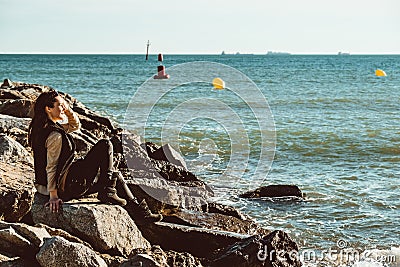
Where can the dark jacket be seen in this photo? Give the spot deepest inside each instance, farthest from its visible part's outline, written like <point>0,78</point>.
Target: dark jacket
<point>40,154</point>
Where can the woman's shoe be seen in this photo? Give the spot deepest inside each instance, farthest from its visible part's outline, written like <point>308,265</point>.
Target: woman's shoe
<point>109,196</point>
<point>141,213</point>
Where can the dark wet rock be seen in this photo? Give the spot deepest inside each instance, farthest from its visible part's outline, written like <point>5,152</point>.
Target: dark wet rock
<point>213,207</point>
<point>274,249</point>
<point>165,153</point>
<point>94,223</point>
<point>274,191</point>
<point>199,242</point>
<point>172,172</point>
<point>214,221</point>
<point>16,191</point>
<point>150,148</point>
<point>58,251</point>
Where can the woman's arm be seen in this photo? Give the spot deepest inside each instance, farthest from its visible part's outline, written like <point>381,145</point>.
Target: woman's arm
<point>53,146</point>
<point>73,120</point>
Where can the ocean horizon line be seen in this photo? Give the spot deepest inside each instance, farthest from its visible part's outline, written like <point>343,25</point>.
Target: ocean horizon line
<point>200,54</point>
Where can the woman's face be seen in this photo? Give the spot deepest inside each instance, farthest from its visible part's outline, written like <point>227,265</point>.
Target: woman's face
<point>56,112</point>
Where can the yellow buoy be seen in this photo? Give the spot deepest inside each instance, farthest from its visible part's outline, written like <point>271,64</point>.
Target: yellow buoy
<point>380,73</point>
<point>218,83</point>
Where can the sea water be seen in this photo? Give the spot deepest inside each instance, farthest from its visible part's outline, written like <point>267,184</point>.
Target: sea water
<point>337,131</point>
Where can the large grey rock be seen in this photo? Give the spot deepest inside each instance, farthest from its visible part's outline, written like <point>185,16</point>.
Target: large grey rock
<point>58,251</point>
<point>11,151</point>
<point>107,228</point>
<point>16,190</point>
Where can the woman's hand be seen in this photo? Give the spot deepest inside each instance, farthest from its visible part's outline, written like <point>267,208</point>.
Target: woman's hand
<point>54,204</point>
<point>66,107</point>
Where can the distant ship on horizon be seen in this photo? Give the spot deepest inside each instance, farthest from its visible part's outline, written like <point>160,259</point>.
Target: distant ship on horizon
<point>343,54</point>
<point>272,53</point>
<point>237,53</point>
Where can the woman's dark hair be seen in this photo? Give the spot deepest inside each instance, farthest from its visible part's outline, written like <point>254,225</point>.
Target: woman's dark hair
<point>40,118</point>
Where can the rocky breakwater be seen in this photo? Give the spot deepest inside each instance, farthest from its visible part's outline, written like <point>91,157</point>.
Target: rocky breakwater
<point>85,232</point>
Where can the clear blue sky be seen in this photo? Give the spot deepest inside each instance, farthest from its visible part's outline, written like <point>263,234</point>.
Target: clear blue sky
<point>203,26</point>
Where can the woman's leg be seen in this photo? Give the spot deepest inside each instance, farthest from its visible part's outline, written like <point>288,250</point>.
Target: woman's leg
<point>82,174</point>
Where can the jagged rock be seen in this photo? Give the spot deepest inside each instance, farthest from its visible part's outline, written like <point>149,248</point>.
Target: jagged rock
<point>7,83</point>
<point>35,235</point>
<point>16,190</point>
<point>150,148</point>
<point>93,223</point>
<point>16,128</point>
<point>182,259</point>
<point>11,151</point>
<point>7,123</point>
<point>214,221</point>
<point>20,108</point>
<point>146,182</point>
<point>166,153</point>
<point>58,251</point>
<point>157,257</point>
<point>141,260</point>
<point>225,210</point>
<point>14,243</point>
<point>21,240</point>
<point>199,242</point>
<point>274,249</point>
<point>161,194</point>
<point>172,172</point>
<point>274,191</point>
<point>113,261</point>
<point>59,232</point>
<point>6,261</point>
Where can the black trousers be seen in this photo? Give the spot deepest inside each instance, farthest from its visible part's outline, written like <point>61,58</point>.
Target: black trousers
<point>81,178</point>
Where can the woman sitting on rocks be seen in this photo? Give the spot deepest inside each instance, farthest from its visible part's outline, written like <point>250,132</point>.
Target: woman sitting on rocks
<point>61,177</point>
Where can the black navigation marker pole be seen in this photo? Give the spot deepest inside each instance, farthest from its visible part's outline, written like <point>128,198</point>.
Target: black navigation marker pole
<point>147,51</point>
